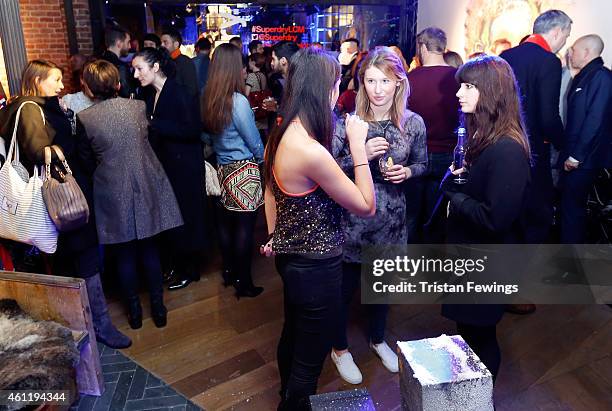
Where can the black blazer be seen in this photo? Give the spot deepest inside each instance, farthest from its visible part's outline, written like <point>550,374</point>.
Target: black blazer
<point>488,211</point>
<point>589,117</point>
<point>174,134</point>
<point>128,83</point>
<point>186,74</point>
<point>538,73</point>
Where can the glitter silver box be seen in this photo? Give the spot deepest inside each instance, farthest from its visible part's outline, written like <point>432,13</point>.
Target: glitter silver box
<point>443,373</point>
<point>350,400</point>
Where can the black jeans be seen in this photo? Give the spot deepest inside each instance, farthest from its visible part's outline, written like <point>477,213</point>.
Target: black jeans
<point>483,341</point>
<point>236,241</point>
<point>312,293</point>
<point>377,313</point>
<point>129,256</point>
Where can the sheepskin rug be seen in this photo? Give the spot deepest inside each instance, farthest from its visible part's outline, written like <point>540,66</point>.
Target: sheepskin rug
<point>34,355</point>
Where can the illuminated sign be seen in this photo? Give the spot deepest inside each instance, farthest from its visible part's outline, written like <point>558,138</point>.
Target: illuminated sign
<point>274,34</point>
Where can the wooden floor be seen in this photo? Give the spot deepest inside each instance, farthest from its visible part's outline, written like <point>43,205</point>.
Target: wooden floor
<point>220,352</point>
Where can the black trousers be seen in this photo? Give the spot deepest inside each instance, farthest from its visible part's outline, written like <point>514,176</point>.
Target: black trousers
<point>132,255</point>
<point>575,188</point>
<point>312,295</point>
<point>236,241</point>
<point>422,194</point>
<point>538,217</point>
<point>377,313</point>
<point>483,341</point>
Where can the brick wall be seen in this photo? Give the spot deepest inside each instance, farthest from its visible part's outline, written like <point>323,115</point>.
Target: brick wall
<point>3,77</point>
<point>44,30</point>
<point>83,26</point>
<point>46,35</point>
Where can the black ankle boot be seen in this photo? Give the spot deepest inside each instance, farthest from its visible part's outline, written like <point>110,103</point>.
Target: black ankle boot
<point>247,290</point>
<point>228,278</point>
<point>159,313</point>
<point>134,313</point>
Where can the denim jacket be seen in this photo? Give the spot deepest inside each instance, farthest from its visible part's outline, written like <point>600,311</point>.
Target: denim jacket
<point>240,140</point>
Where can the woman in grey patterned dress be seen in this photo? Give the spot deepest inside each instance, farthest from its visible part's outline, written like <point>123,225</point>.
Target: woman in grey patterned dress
<point>395,144</point>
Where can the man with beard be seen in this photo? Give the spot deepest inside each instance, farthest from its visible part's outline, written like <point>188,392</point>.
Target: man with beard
<point>118,45</point>
<point>186,74</point>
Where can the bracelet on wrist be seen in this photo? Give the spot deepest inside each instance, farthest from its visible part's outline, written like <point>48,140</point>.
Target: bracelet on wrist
<point>362,164</point>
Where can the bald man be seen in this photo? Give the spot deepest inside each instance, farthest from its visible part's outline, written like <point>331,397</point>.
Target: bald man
<point>588,134</point>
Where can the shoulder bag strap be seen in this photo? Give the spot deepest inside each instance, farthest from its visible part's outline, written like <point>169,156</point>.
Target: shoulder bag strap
<point>13,153</point>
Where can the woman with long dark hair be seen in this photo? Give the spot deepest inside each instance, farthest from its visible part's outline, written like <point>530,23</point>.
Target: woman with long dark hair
<point>396,136</point>
<point>174,134</point>
<point>486,210</point>
<point>77,252</point>
<point>230,124</point>
<point>305,193</point>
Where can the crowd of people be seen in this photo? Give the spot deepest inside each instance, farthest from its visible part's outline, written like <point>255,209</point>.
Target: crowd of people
<point>343,151</point>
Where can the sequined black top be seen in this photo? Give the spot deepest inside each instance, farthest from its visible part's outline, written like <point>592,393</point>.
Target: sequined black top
<point>308,224</point>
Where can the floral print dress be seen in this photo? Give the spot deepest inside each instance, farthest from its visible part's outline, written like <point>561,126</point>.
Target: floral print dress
<point>388,226</point>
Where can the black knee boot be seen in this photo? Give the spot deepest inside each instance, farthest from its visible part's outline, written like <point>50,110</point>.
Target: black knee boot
<point>106,333</point>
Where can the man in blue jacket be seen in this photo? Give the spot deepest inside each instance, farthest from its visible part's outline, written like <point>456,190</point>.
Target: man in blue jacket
<point>538,72</point>
<point>588,134</point>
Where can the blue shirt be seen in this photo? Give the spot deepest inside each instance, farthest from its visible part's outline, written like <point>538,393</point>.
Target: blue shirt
<point>240,140</point>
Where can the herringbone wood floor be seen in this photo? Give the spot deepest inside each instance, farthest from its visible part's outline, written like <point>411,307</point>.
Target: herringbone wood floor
<point>220,352</point>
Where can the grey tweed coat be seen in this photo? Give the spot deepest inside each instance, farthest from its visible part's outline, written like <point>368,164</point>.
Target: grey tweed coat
<point>133,198</point>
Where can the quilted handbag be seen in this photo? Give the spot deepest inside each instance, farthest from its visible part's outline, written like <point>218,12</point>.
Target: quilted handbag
<point>23,214</point>
<point>65,201</point>
<point>213,188</point>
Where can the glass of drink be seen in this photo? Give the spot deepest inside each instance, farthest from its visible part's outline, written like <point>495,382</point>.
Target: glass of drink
<point>385,161</point>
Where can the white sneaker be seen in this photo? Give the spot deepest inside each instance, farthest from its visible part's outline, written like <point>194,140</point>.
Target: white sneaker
<point>386,354</point>
<point>347,368</point>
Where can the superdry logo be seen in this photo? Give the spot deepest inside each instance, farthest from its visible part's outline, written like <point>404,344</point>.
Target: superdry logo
<point>9,206</point>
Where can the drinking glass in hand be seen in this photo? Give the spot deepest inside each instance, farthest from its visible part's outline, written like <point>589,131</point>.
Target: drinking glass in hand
<point>385,161</point>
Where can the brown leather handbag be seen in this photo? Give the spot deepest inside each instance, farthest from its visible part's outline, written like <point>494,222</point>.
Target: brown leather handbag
<point>64,199</point>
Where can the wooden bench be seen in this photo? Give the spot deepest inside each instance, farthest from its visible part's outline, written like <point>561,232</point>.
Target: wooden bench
<point>63,300</point>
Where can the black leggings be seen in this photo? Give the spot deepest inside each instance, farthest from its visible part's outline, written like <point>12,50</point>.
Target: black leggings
<point>129,256</point>
<point>312,293</point>
<point>236,241</point>
<point>377,313</point>
<point>483,341</point>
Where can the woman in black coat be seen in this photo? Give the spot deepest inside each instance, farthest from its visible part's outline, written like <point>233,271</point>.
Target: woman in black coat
<point>487,208</point>
<point>77,251</point>
<point>174,134</point>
